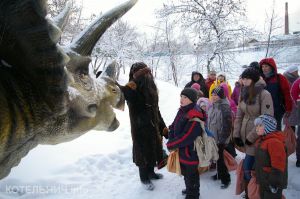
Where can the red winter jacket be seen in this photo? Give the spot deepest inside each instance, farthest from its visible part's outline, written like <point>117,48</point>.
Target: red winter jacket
<point>184,132</point>
<point>271,160</point>
<point>284,84</point>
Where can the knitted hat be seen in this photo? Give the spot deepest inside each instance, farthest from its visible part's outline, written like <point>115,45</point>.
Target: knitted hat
<point>219,91</point>
<point>251,73</point>
<point>292,69</point>
<point>212,72</point>
<point>141,72</point>
<point>190,93</point>
<point>222,74</point>
<point>254,65</point>
<point>137,70</point>
<point>196,86</point>
<point>268,121</point>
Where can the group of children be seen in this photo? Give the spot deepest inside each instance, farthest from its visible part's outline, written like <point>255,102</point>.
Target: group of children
<point>251,126</point>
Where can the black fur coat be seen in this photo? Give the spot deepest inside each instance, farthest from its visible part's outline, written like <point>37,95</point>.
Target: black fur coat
<point>146,127</point>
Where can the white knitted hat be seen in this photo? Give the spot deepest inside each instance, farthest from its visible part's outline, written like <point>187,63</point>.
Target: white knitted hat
<point>292,68</point>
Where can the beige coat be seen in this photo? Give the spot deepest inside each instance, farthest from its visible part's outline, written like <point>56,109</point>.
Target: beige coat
<point>244,121</point>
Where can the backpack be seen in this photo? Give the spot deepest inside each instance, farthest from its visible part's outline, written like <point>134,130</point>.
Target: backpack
<point>205,147</point>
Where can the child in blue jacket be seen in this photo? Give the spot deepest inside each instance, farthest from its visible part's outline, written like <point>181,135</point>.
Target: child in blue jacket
<point>182,135</point>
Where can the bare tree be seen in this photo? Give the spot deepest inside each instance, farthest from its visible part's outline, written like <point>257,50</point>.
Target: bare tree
<point>153,49</point>
<point>214,23</point>
<point>119,43</point>
<point>273,23</point>
<point>75,22</point>
<point>171,50</point>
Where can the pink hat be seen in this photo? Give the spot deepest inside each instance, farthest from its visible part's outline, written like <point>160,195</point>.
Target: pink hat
<point>196,86</point>
<point>225,88</point>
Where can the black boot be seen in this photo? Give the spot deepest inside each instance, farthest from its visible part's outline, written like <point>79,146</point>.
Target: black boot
<point>298,163</point>
<point>225,185</point>
<point>246,190</point>
<point>215,177</point>
<point>145,180</point>
<point>153,175</point>
<point>192,183</point>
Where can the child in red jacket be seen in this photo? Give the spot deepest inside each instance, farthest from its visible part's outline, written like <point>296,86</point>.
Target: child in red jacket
<point>270,158</point>
<point>183,133</point>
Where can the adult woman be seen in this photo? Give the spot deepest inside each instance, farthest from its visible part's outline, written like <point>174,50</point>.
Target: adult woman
<point>146,122</point>
<point>279,88</point>
<point>197,77</point>
<point>254,101</point>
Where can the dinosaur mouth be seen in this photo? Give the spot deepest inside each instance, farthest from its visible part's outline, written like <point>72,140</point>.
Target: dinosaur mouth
<point>114,125</point>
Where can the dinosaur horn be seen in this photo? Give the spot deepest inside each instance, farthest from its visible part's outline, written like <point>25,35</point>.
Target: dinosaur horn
<point>88,38</point>
<point>110,71</point>
<point>62,18</point>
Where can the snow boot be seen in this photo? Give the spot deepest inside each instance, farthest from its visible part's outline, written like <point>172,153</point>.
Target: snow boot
<point>215,177</point>
<point>148,185</point>
<point>246,190</point>
<point>298,163</point>
<point>225,185</point>
<point>152,175</point>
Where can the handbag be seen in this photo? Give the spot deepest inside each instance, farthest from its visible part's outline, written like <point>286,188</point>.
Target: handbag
<point>240,183</point>
<point>173,164</point>
<point>253,187</point>
<point>290,139</point>
<point>230,162</point>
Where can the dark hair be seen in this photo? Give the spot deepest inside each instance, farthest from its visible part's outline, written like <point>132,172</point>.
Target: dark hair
<point>249,98</point>
<point>135,67</point>
<point>251,73</point>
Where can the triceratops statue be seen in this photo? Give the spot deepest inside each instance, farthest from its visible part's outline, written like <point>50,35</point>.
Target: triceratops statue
<point>46,93</point>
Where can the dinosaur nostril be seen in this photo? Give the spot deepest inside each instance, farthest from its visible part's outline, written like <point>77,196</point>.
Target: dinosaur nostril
<point>92,108</point>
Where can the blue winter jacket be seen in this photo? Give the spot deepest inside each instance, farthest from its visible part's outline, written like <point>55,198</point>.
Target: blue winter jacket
<point>183,133</point>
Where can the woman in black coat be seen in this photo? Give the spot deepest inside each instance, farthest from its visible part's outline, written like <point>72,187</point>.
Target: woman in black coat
<point>198,78</point>
<point>147,125</point>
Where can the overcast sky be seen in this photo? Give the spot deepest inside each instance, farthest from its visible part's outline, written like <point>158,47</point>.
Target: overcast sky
<point>142,14</point>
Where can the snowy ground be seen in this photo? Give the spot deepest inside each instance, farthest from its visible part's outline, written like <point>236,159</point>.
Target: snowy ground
<point>99,165</point>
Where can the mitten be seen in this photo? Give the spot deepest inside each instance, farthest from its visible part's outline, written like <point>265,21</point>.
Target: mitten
<point>238,141</point>
<point>132,85</point>
<point>165,132</point>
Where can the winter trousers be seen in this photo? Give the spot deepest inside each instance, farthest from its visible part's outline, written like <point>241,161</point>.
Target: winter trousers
<point>278,116</point>
<point>191,180</point>
<point>145,172</point>
<point>231,149</point>
<point>248,166</point>
<point>265,193</point>
<point>221,167</point>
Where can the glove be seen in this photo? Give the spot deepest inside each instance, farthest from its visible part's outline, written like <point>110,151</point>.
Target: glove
<point>165,132</point>
<point>248,142</point>
<point>238,141</point>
